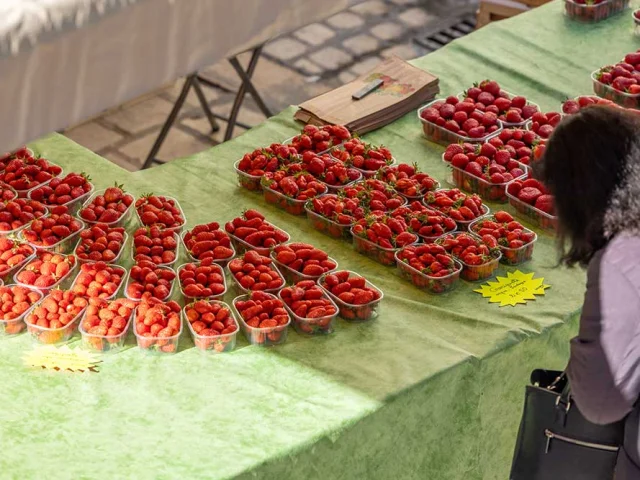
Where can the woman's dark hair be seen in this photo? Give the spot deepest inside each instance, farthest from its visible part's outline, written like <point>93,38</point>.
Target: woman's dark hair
<point>583,163</point>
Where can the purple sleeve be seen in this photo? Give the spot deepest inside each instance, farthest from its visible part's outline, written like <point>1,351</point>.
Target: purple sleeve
<point>604,367</point>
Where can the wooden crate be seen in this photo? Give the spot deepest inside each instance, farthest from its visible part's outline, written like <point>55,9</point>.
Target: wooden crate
<point>493,10</point>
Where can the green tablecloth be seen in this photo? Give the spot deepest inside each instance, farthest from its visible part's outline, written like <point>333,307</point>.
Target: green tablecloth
<point>431,389</point>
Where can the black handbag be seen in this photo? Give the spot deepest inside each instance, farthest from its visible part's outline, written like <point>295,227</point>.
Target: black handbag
<point>555,442</point>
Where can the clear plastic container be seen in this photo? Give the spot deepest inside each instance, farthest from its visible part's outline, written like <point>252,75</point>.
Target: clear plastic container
<point>73,206</point>
<point>313,326</point>
<point>505,124</point>
<point>17,325</point>
<point>157,345</point>
<point>288,204</point>
<point>241,246</point>
<point>338,188</point>
<point>115,260</point>
<point>441,135</point>
<point>536,216</point>
<point>355,313</point>
<point>175,229</point>
<point>104,343</point>
<point>241,290</point>
<point>427,282</point>
<point>384,256</point>
<point>493,192</point>
<point>293,276</point>
<point>7,275</point>
<point>49,336</point>
<point>25,193</point>
<point>46,290</point>
<point>250,182</point>
<point>623,99</point>
<point>222,262</point>
<point>121,222</point>
<point>64,246</point>
<point>14,233</point>
<point>214,343</point>
<point>188,299</point>
<point>513,256</point>
<point>123,280</point>
<point>130,280</point>
<point>594,13</point>
<point>176,237</point>
<point>326,226</point>
<point>264,337</point>
<point>477,273</point>
<point>463,225</point>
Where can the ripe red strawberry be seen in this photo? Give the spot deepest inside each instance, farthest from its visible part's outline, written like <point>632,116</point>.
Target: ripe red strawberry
<point>16,213</point>
<point>155,245</point>
<point>292,182</point>
<point>46,269</point>
<point>303,258</point>
<point>308,301</point>
<point>457,205</point>
<point>253,230</point>
<point>25,172</point>
<point>15,301</point>
<point>319,139</point>
<point>363,156</point>
<point>100,243</point>
<point>157,325</point>
<point>356,298</point>
<point>426,222</point>
<point>208,241</point>
<point>263,310</point>
<point>212,323</point>
<point>105,322</point>
<point>268,159</point>
<point>98,280</point>
<point>61,191</point>
<point>51,229</point>
<point>428,266</point>
<point>56,311</point>
<point>510,236</point>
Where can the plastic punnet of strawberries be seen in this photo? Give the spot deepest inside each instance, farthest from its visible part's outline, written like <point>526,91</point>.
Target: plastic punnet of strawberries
<point>319,139</point>
<point>254,272</point>
<point>100,243</point>
<point>376,195</point>
<point>293,182</point>
<point>16,213</point>
<point>268,159</point>
<point>155,245</point>
<point>501,230</point>
<point>533,192</point>
<point>363,156</point>
<point>208,241</point>
<point>484,161</point>
<point>356,299</point>
<point>13,254</point>
<point>253,229</point>
<point>106,322</point>
<point>27,172</point>
<point>622,76</point>
<point>262,310</point>
<point>56,311</point>
<point>108,207</point>
<point>573,106</point>
<point>329,170</point>
<point>427,222</point>
<point>338,208</point>
<point>52,229</point>
<point>157,325</point>
<point>147,277</point>
<point>543,124</point>
<point>385,231</point>
<point>407,180</point>
<point>462,118</point>
<point>60,191</point>
<point>161,211</point>
<point>213,325</point>
<point>303,258</point>
<point>478,259</point>
<point>45,270</point>
<point>15,300</point>
<point>312,308</point>
<point>98,280</point>
<point>457,205</point>
<point>488,96</point>
<point>202,280</point>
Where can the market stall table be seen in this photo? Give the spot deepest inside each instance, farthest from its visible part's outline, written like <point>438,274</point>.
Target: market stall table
<point>431,389</point>
<point>64,61</point>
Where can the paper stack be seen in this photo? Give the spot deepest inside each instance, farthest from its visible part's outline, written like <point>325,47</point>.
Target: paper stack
<point>404,89</point>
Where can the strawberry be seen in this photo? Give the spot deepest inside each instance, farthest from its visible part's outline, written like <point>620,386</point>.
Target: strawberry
<point>501,230</point>
<point>18,212</point>
<point>208,241</point>
<point>457,117</point>
<point>51,229</point>
<point>98,280</point>
<point>203,280</point>
<point>363,156</point>
<point>477,257</point>
<point>61,191</point>
<point>386,231</point>
<point>107,207</point>
<point>312,308</point>
<point>261,310</point>
<point>426,222</point>
<point>105,322</point>
<point>457,205</point>
<point>255,272</point>
<point>23,172</point>
<point>294,183</point>
<point>407,180</point>
<point>252,229</point>
<point>160,211</point>
<point>355,297</point>
<point>428,266</point>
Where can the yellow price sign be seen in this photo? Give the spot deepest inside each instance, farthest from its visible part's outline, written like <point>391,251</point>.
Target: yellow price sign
<point>62,359</point>
<point>516,288</point>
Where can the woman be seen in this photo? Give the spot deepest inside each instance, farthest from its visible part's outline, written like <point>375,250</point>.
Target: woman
<point>592,166</point>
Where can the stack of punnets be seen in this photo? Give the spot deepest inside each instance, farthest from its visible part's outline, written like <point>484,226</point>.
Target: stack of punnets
<point>432,387</point>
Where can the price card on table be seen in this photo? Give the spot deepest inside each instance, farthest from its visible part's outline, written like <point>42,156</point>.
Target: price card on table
<point>515,289</point>
<point>62,359</point>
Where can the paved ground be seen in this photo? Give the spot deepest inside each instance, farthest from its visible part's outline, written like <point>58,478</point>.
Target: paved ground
<point>293,68</point>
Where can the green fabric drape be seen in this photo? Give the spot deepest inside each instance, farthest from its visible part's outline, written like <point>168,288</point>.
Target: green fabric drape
<point>431,389</point>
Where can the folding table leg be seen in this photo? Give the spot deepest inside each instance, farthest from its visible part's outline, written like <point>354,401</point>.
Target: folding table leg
<point>246,85</point>
<point>151,158</point>
<point>205,106</point>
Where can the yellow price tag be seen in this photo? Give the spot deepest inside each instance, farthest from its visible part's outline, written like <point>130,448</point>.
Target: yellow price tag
<point>62,359</point>
<point>516,288</point>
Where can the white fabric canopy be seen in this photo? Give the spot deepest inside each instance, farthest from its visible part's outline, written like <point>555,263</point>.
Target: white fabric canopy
<point>62,61</point>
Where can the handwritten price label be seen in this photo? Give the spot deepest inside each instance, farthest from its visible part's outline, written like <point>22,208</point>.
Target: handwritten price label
<point>515,289</point>
<point>62,359</point>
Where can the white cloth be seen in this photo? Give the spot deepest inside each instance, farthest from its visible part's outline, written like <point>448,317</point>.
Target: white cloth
<point>62,61</point>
